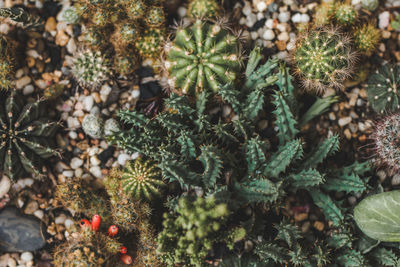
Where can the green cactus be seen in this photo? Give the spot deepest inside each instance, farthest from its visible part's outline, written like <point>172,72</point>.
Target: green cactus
<point>345,14</point>
<point>366,38</point>
<point>90,69</point>
<point>323,14</point>
<point>136,9</point>
<point>7,62</point>
<point>204,56</point>
<point>323,58</point>
<point>203,9</point>
<point>93,126</point>
<point>370,5</point>
<point>155,17</point>
<point>190,232</point>
<point>382,88</point>
<point>26,136</point>
<point>150,43</point>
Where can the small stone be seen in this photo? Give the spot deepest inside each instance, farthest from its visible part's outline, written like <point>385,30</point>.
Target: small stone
<point>28,89</point>
<point>96,171</point>
<point>68,223</point>
<point>281,45</point>
<point>5,185</point>
<point>76,163</point>
<point>269,35</point>
<point>269,23</point>
<point>347,133</point>
<point>60,219</point>
<point>122,158</point>
<point>344,121</point>
<point>352,200</point>
<point>284,17</point>
<point>304,18</point>
<point>261,6</point>
<point>73,123</point>
<point>300,217</point>
<point>68,173</point>
<point>88,103</point>
<point>382,175</point>
<point>111,126</point>
<point>39,214</point>
<point>182,11</point>
<point>72,135</point>
<point>94,161</point>
<point>384,19</point>
<point>62,38</point>
<point>396,179</point>
<point>135,94</point>
<point>305,227</point>
<point>51,24</point>
<point>284,36</point>
<point>296,18</point>
<point>246,9</point>
<point>11,262</point>
<point>26,256</point>
<point>319,226</point>
<point>105,90</point>
<point>31,207</point>
<point>22,82</point>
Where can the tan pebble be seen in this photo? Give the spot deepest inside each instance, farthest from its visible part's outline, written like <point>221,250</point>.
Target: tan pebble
<point>347,133</point>
<point>51,24</point>
<point>62,38</point>
<point>30,61</point>
<point>40,66</point>
<point>305,227</point>
<point>32,43</point>
<point>300,217</point>
<point>96,97</point>
<point>362,138</point>
<point>47,77</point>
<point>281,45</point>
<point>319,225</point>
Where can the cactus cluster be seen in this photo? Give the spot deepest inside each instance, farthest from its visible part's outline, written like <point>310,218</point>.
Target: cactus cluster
<point>203,9</point>
<point>26,136</point>
<point>95,127</point>
<point>382,88</point>
<point>203,57</point>
<point>345,14</point>
<point>119,27</point>
<point>323,58</point>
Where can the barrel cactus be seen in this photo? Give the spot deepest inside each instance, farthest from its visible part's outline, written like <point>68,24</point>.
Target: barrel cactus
<point>7,62</point>
<point>366,38</point>
<point>203,9</point>
<point>323,58</point>
<point>383,94</point>
<point>345,14</point>
<point>149,44</point>
<point>26,136</point>
<point>204,56</point>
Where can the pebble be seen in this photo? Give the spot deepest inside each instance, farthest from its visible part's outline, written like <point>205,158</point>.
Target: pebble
<point>96,171</point>
<point>122,158</point>
<point>62,38</point>
<point>60,219</point>
<point>88,103</point>
<point>39,214</point>
<point>296,18</point>
<point>51,24</point>
<point>284,17</point>
<point>26,256</point>
<point>382,175</point>
<point>72,135</point>
<point>22,82</point>
<point>261,6</point>
<point>31,207</point>
<point>5,185</point>
<point>269,35</point>
<point>384,19</point>
<point>95,161</point>
<point>68,173</point>
<point>344,121</point>
<point>396,179</point>
<point>28,89</point>
<point>73,123</point>
<point>76,163</point>
<point>284,36</point>
<point>11,262</point>
<point>68,223</point>
<point>182,11</point>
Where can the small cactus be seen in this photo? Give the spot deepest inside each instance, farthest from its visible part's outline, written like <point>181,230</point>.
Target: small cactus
<point>70,15</point>
<point>7,62</point>
<point>383,88</point>
<point>387,142</point>
<point>203,9</point>
<point>110,127</point>
<point>323,14</point>
<point>370,5</point>
<point>366,38</point>
<point>155,16</point>
<point>90,68</point>
<point>93,126</point>
<point>150,43</point>
<point>204,56</point>
<point>345,14</point>
<point>26,136</point>
<point>323,58</point>
<point>136,9</point>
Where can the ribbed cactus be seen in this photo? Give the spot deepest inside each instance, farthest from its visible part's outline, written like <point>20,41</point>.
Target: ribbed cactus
<point>366,38</point>
<point>203,9</point>
<point>323,14</point>
<point>90,68</point>
<point>26,136</point>
<point>387,141</point>
<point>323,58</point>
<point>345,14</point>
<point>204,56</point>
<point>155,16</point>
<point>150,43</point>
<point>383,88</point>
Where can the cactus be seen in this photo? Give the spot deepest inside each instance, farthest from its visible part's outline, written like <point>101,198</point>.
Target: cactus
<point>323,14</point>
<point>90,68</point>
<point>54,91</point>
<point>93,126</point>
<point>323,58</point>
<point>136,9</point>
<point>70,15</point>
<point>366,38</point>
<point>382,88</point>
<point>204,56</point>
<point>345,14</point>
<point>155,17</point>
<point>26,136</point>
<point>370,5</point>
<point>111,126</point>
<point>150,43</point>
<point>387,142</point>
<point>203,9</point>
<point>7,62</point>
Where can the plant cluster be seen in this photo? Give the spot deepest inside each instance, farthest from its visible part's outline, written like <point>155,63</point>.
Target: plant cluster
<point>203,9</point>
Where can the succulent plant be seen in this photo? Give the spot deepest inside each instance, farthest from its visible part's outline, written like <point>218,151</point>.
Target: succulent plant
<point>150,43</point>
<point>366,38</point>
<point>203,9</point>
<point>323,14</point>
<point>323,58</point>
<point>204,56</point>
<point>54,91</point>
<point>111,126</point>
<point>93,126</point>
<point>370,5</point>
<point>345,14</point>
<point>26,136</point>
<point>383,88</point>
<point>90,68</point>
<point>70,15</point>
<point>387,142</point>
<point>7,62</point>
<point>155,16</point>
<point>136,9</point>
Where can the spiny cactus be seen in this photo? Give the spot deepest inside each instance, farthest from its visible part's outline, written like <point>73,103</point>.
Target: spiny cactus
<point>383,88</point>
<point>93,126</point>
<point>204,56</point>
<point>387,142</point>
<point>323,58</point>
<point>370,5</point>
<point>191,231</point>
<point>155,16</point>
<point>203,9</point>
<point>345,14</point>
<point>150,43</point>
<point>323,14</point>
<point>90,68</point>
<point>366,38</point>
<point>7,62</point>
<point>26,136</point>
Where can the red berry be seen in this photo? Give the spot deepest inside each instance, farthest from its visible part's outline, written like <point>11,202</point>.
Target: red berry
<point>113,230</point>
<point>123,250</point>
<point>126,259</point>
<point>84,223</point>
<point>96,220</point>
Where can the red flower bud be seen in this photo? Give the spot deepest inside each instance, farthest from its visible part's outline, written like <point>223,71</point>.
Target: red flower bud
<point>113,230</point>
<point>125,258</point>
<point>84,223</point>
<point>96,220</point>
<point>123,250</point>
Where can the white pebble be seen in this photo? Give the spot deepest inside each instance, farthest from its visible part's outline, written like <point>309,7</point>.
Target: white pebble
<point>94,161</point>
<point>68,173</point>
<point>135,155</point>
<point>344,121</point>
<point>305,18</point>
<point>251,20</point>
<point>78,172</point>
<point>122,158</point>
<point>105,90</point>
<point>96,171</point>
<point>269,23</point>
<point>135,94</point>
<point>39,214</point>
<point>384,19</point>
<point>284,17</point>
<point>296,18</point>
<point>60,219</point>
<point>76,163</point>
<point>269,35</point>
<point>73,123</point>
<point>26,256</point>
<point>254,35</point>
<point>88,102</point>
<point>68,223</point>
<point>28,89</point>
<point>73,135</point>
<point>24,81</point>
<point>27,181</point>
<point>246,9</point>
<point>284,36</point>
<point>396,179</point>
<point>5,185</point>
<point>182,11</point>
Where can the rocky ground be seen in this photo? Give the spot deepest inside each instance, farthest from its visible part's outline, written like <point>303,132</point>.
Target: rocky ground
<point>270,24</point>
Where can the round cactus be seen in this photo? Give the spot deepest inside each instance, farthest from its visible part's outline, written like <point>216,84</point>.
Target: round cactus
<point>136,9</point>
<point>110,127</point>
<point>203,9</point>
<point>150,43</point>
<point>383,88</point>
<point>387,142</point>
<point>141,180</point>
<point>323,14</point>
<point>370,5</point>
<point>71,15</point>
<point>155,17</point>
<point>7,62</point>
<point>93,126</point>
<point>204,56</point>
<point>345,14</point>
<point>90,68</point>
<point>323,58</point>
<point>366,38</point>
<point>79,254</point>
